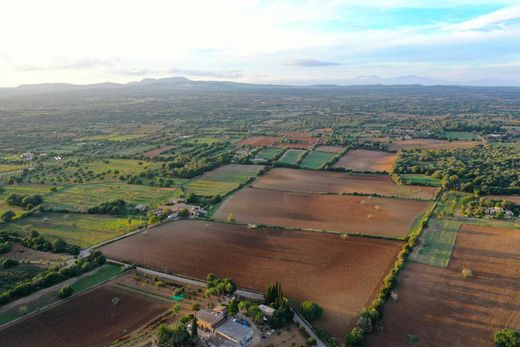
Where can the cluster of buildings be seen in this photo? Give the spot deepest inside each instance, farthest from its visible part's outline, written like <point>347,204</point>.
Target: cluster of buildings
<point>493,211</point>
<point>221,331</point>
<point>174,207</point>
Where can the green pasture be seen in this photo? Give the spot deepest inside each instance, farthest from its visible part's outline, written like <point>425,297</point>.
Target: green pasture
<point>269,153</point>
<point>437,244</point>
<point>78,198</point>
<point>291,156</point>
<point>84,230</point>
<point>421,180</point>
<point>222,180</point>
<point>315,159</point>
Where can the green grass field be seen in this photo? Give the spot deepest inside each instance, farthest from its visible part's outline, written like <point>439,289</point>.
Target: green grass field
<point>78,198</point>
<point>291,156</point>
<point>103,274</point>
<point>315,159</point>
<point>460,135</point>
<point>437,242</point>
<point>269,153</point>
<point>11,167</point>
<point>421,180</point>
<point>222,180</point>
<point>84,230</point>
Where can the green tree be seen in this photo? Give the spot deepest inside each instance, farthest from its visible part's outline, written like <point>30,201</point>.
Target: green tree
<point>507,338</point>
<point>7,216</point>
<point>194,328</point>
<point>311,311</point>
<point>176,336</point>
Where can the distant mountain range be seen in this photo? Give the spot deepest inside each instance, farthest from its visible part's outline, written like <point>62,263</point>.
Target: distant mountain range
<point>182,83</point>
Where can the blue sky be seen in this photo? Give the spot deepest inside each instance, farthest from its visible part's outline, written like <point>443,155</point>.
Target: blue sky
<point>260,41</point>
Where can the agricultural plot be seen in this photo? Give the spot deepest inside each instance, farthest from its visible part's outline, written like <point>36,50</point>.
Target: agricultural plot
<point>315,159</point>
<point>421,180</point>
<point>26,189</point>
<point>258,141</point>
<point>103,314</point>
<point>330,149</point>
<point>309,181</point>
<point>11,276</point>
<point>364,160</point>
<point>513,198</point>
<point>341,213</point>
<point>78,198</point>
<point>460,135</point>
<point>155,152</point>
<point>291,156</point>
<point>431,144</point>
<point>78,229</point>
<point>436,242</point>
<point>222,180</point>
<point>269,153</point>
<point>346,273</point>
<point>11,167</point>
<point>449,309</point>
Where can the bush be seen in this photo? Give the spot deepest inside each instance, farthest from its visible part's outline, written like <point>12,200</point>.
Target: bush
<point>311,311</point>
<point>507,338</point>
<point>9,263</point>
<point>65,292</point>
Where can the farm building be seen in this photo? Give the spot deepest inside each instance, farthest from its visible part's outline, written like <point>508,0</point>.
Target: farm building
<point>266,310</point>
<point>236,332</point>
<point>209,320</point>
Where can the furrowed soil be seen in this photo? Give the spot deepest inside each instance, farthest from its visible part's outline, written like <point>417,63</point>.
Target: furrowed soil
<point>342,275</point>
<point>91,319</point>
<point>442,308</point>
<point>342,213</point>
<point>258,141</point>
<point>310,181</point>
<point>365,160</point>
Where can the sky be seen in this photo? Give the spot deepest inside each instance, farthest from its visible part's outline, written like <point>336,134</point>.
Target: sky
<point>259,41</point>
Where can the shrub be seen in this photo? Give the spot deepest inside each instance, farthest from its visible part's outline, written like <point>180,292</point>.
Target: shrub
<point>65,292</point>
<point>9,263</point>
<point>311,311</point>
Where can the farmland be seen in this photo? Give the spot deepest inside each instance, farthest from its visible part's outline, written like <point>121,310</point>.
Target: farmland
<point>258,141</point>
<point>155,152</point>
<point>310,181</point>
<point>256,258</point>
<point>330,149</point>
<point>78,198</point>
<point>291,156</point>
<point>448,309</point>
<point>269,153</point>
<point>222,180</point>
<point>79,229</point>
<point>315,159</point>
<point>431,144</point>
<point>101,320</point>
<point>421,180</point>
<point>341,213</point>
<point>11,167</point>
<point>363,160</point>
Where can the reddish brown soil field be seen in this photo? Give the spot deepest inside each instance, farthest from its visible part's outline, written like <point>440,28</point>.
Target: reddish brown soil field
<point>88,320</point>
<point>155,152</point>
<point>365,160</point>
<point>342,275</point>
<point>330,149</point>
<point>312,181</point>
<point>513,198</point>
<point>343,213</point>
<point>444,309</point>
<point>258,141</point>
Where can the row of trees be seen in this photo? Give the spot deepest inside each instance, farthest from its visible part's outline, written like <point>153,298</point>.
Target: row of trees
<point>25,201</point>
<point>36,241</point>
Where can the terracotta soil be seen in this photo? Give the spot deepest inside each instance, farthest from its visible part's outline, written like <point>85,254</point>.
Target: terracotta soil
<point>426,144</point>
<point>90,319</point>
<point>365,160</point>
<point>258,141</point>
<point>299,136</point>
<point>444,309</point>
<point>155,152</point>
<point>513,198</point>
<point>343,213</point>
<point>312,181</point>
<point>342,275</point>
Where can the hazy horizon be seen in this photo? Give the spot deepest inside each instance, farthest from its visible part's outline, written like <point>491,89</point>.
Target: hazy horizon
<point>279,42</point>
